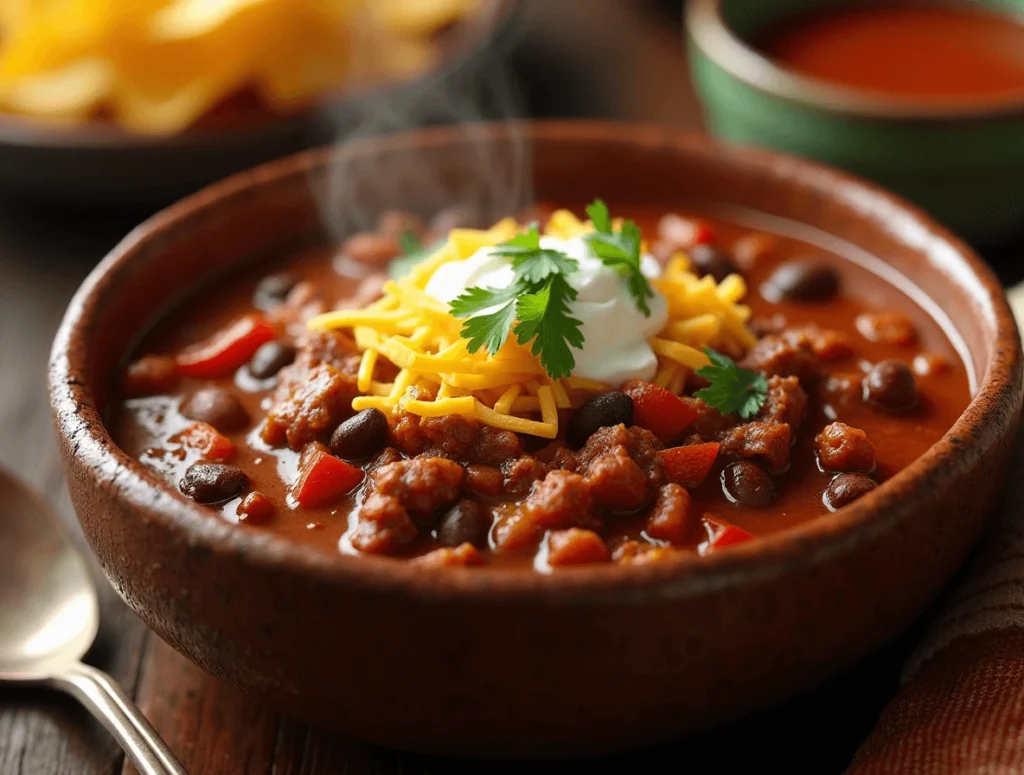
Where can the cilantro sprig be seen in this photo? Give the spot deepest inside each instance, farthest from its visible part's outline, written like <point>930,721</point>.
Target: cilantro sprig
<point>733,389</point>
<point>413,252</point>
<point>620,250</point>
<point>538,297</point>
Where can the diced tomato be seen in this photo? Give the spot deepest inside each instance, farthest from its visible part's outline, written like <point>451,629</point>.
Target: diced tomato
<point>657,410</point>
<point>722,534</point>
<point>208,442</point>
<point>323,478</point>
<point>703,234</point>
<point>689,465</point>
<point>255,509</point>
<point>227,349</point>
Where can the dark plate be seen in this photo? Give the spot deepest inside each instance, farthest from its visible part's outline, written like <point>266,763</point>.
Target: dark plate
<point>98,164</point>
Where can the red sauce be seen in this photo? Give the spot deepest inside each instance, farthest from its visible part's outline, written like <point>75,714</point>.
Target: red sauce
<point>915,49</point>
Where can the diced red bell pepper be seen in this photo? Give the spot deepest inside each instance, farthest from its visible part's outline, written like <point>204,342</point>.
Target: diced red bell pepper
<point>722,534</point>
<point>227,349</point>
<point>689,465</point>
<point>658,410</point>
<point>703,234</point>
<point>208,442</point>
<point>323,478</point>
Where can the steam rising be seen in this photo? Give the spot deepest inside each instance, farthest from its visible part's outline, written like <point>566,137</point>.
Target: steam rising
<point>491,178</point>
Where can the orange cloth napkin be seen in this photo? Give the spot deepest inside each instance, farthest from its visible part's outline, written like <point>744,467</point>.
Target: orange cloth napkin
<point>961,706</point>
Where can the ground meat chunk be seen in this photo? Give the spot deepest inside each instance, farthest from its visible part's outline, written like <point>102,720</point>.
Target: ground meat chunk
<point>843,388</point>
<point>423,485</point>
<point>513,531</point>
<point>382,525</point>
<point>495,447</point>
<point>786,355</point>
<point>710,422</point>
<point>456,437</point>
<point>385,456</point>
<point>670,518</point>
<point>617,483</point>
<point>576,547</point>
<point>521,473</point>
<point>888,327</point>
<point>406,435</point>
<point>331,347</point>
<point>786,402</point>
<point>637,443</point>
<point>310,409</point>
<point>769,441</point>
<point>560,500</point>
<point>826,344</point>
<point>762,326</point>
<point>842,448</point>
<point>315,392</point>
<point>456,434</point>
<point>484,480</point>
<point>150,375</point>
<point>465,554</point>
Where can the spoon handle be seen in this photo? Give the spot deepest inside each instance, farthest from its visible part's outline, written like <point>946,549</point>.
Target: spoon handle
<point>108,703</point>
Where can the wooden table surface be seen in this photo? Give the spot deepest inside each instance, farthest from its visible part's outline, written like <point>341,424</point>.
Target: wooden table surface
<point>44,255</point>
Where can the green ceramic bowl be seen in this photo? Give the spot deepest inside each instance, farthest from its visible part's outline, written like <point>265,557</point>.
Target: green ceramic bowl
<point>963,164</point>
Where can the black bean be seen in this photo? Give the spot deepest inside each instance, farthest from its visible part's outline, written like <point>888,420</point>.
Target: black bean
<point>846,488</point>
<point>213,482</point>
<point>361,435</point>
<point>600,411</point>
<point>466,522</point>
<point>890,386</point>
<point>272,290</point>
<point>217,406</point>
<point>270,358</point>
<point>801,281</point>
<point>711,260</point>
<point>748,484</point>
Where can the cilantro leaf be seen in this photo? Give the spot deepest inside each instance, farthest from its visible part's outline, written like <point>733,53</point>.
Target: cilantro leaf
<point>600,217</point>
<point>490,330</point>
<point>414,253</point>
<point>523,243</point>
<point>733,389</point>
<point>473,301</point>
<point>534,264</point>
<point>544,318</point>
<point>539,266</point>
<point>410,243</point>
<point>620,250</point>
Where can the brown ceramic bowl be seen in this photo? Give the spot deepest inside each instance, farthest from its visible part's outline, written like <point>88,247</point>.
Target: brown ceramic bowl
<point>488,662</point>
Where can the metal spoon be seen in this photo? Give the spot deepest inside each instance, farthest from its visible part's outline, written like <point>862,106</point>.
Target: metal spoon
<point>49,615</point>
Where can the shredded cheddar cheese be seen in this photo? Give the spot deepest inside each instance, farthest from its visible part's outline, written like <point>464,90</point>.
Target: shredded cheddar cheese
<point>510,390</point>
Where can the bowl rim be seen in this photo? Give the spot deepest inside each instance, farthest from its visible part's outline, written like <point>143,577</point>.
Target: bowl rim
<point>31,132</point>
<point>714,38</point>
<point>83,433</point>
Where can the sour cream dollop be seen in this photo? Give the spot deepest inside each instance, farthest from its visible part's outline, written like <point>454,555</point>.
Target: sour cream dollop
<point>615,332</point>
